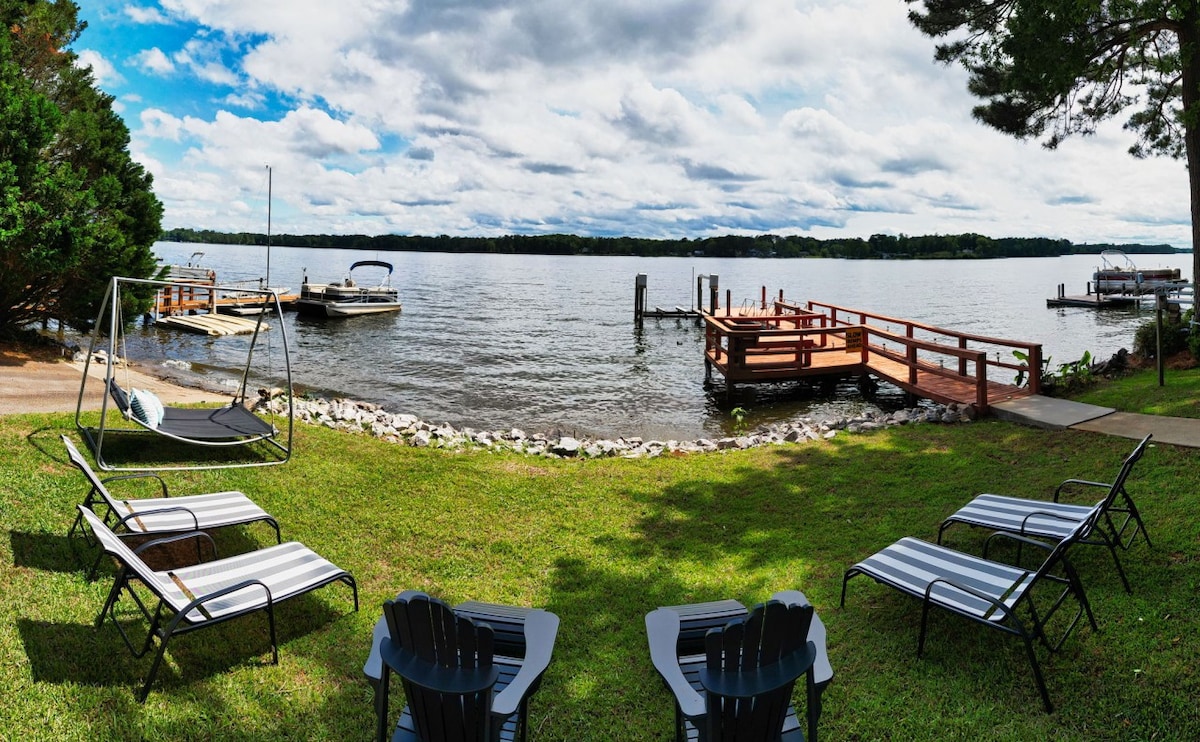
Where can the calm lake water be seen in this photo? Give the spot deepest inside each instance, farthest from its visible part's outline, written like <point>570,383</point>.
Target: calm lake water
<point>545,343</point>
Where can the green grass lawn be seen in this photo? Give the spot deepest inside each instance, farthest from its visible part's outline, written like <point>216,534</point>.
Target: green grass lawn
<point>600,543</point>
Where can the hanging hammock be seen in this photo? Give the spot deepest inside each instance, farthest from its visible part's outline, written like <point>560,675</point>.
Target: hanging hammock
<point>228,426</point>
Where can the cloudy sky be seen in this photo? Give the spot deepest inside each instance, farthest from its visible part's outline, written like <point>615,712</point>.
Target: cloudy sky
<point>654,118</point>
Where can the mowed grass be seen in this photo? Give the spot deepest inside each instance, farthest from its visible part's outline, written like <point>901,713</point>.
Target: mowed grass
<point>600,543</point>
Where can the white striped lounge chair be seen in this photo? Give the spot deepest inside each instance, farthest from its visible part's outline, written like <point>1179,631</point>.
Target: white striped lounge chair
<point>156,516</point>
<point>988,592</point>
<point>205,594</point>
<point>1054,520</point>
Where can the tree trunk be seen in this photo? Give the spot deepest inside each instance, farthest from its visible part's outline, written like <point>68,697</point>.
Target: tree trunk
<point>1189,46</point>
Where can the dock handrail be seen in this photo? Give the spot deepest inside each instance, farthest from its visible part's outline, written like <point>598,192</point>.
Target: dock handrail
<point>1030,368</point>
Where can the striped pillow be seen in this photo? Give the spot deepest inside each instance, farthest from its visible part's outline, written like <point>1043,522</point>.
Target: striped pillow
<point>146,407</point>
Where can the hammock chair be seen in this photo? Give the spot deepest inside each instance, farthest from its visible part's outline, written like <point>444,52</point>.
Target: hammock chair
<point>141,412</point>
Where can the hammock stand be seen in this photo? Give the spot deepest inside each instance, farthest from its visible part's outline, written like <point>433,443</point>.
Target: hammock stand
<point>223,427</point>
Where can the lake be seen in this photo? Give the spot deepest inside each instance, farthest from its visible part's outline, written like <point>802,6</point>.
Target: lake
<point>548,342</point>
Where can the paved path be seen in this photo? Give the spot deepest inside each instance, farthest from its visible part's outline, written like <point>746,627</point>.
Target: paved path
<point>1058,414</point>
<point>48,386</point>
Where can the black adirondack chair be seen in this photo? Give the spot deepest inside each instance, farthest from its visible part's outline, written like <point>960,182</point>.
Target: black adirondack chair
<point>467,672</point>
<point>740,688</point>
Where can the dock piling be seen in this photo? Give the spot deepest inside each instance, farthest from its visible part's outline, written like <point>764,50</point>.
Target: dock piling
<point>639,298</point>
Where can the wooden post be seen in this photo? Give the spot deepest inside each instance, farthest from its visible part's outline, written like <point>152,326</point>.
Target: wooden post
<point>639,298</point>
<point>1035,369</point>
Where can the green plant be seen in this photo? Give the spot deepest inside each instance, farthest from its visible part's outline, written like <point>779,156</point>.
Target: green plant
<point>1024,370</point>
<point>739,419</point>
<point>1175,336</point>
<point>1074,375</point>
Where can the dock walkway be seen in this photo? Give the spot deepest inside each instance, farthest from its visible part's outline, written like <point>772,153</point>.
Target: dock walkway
<point>785,341</point>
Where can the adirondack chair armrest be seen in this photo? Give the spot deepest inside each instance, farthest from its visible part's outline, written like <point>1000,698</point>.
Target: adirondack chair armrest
<point>177,537</point>
<point>124,520</point>
<point>1071,483</point>
<point>662,631</point>
<point>761,680</point>
<point>433,676</point>
<point>541,629</point>
<point>139,475</point>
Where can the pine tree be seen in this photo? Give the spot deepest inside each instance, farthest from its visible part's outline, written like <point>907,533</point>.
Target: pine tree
<point>75,209</point>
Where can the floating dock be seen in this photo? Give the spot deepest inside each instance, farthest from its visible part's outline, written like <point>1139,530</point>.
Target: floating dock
<point>210,324</point>
<point>786,341</point>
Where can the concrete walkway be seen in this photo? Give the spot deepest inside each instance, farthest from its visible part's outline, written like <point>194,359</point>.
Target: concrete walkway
<point>1060,414</point>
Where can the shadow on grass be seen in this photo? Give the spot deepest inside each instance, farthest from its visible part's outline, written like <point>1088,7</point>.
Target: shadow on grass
<point>89,655</point>
<point>47,551</point>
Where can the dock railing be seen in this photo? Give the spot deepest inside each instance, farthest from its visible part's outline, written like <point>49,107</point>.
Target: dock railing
<point>967,349</point>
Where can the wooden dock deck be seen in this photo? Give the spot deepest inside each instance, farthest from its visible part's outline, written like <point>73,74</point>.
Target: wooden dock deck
<point>785,341</point>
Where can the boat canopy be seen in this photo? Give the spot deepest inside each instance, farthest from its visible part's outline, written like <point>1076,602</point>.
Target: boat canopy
<point>374,263</point>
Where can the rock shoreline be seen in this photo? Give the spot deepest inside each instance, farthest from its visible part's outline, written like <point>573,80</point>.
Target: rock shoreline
<point>354,416</point>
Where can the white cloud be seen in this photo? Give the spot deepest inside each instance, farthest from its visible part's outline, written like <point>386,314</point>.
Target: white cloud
<point>144,15</point>
<point>678,117</point>
<point>102,70</point>
<point>154,61</point>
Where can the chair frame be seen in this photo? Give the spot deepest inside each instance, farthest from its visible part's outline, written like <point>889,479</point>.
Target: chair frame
<point>676,635</point>
<point>984,591</point>
<point>523,642</point>
<point>191,606</point>
<point>222,427</point>
<point>1054,520</point>
<point>144,516</point>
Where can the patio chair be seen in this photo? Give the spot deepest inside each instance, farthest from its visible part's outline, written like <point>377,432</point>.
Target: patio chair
<point>191,598</point>
<point>732,671</point>
<point>1054,520</point>
<point>467,672</point>
<point>158,516</point>
<point>988,592</point>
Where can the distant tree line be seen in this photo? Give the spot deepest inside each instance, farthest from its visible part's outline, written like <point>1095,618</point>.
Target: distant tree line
<point>879,246</point>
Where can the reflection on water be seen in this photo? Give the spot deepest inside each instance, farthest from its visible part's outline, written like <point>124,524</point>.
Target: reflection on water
<point>548,342</point>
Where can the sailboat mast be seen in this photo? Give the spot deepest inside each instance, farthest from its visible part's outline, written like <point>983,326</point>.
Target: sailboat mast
<point>268,226</point>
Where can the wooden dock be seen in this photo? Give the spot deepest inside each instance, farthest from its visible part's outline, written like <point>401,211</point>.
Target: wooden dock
<point>186,298</point>
<point>211,324</point>
<point>786,341</point>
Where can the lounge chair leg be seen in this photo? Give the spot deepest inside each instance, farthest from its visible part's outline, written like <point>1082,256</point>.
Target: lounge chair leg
<point>113,595</point>
<point>1037,674</point>
<point>274,645</point>
<point>924,624</point>
<point>845,579</point>
<point>158,656</point>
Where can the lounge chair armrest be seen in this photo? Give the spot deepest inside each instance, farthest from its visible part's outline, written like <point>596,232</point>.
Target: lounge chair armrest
<point>124,520</point>
<point>662,631</point>
<point>1045,514</point>
<point>177,537</point>
<point>162,484</point>
<point>965,589</point>
<point>198,603</point>
<point>541,629</point>
<point>1016,537</point>
<point>1068,483</point>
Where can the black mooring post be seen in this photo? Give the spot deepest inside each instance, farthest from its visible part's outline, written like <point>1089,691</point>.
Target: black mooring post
<point>639,298</point>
